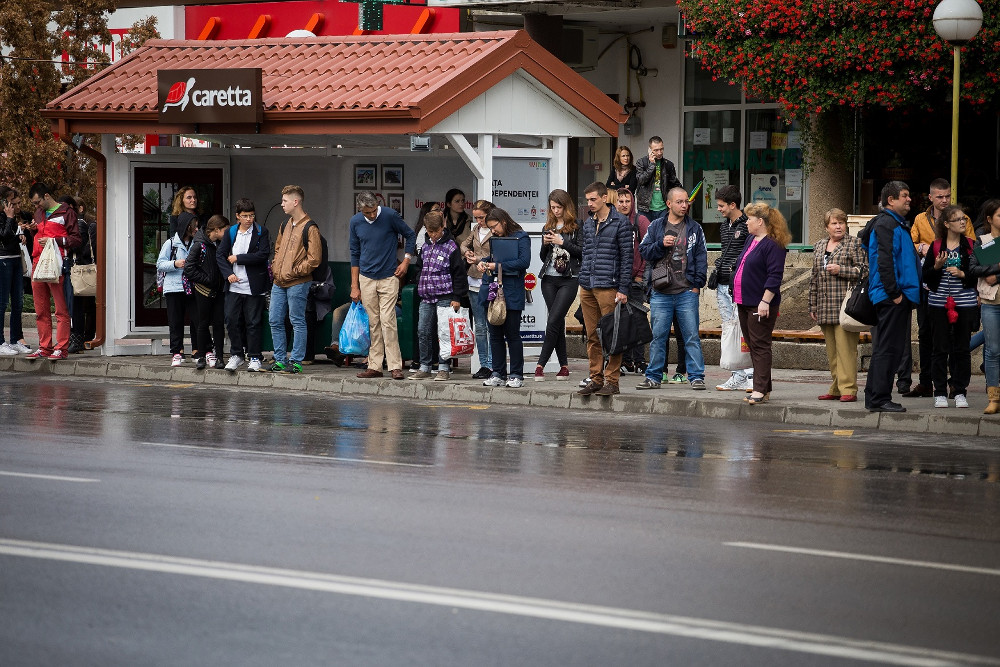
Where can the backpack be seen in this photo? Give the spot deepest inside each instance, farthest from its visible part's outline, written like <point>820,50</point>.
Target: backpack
<point>319,274</point>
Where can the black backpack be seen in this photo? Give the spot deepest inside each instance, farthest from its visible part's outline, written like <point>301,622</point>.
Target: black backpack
<point>319,274</point>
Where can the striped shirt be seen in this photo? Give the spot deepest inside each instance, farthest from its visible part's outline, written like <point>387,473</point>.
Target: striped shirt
<point>965,297</point>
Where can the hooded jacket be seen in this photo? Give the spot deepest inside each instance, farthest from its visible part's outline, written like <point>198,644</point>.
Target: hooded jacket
<point>201,267</point>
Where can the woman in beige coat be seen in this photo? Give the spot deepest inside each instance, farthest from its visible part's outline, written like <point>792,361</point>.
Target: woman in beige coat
<point>839,261</point>
<point>475,247</point>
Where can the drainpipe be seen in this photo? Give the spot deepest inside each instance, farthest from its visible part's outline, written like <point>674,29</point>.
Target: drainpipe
<point>102,200</point>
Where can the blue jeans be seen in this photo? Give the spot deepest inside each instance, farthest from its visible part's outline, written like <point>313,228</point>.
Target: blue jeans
<point>991,351</point>
<point>290,302</point>
<point>478,311</point>
<point>727,311</point>
<point>427,335</point>
<point>11,289</point>
<point>665,309</point>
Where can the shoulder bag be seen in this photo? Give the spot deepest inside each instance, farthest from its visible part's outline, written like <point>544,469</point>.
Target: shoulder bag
<point>496,312</point>
<point>84,276</point>
<point>662,276</point>
<point>857,312</point>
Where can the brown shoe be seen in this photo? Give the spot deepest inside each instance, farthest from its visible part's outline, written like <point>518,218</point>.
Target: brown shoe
<point>920,391</point>
<point>609,389</point>
<point>370,373</point>
<point>591,388</point>
<point>396,374</point>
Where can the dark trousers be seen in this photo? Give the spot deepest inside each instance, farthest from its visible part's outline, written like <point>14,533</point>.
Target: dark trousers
<point>950,348</point>
<point>84,317</point>
<point>180,304</point>
<point>244,318</point>
<point>504,337</point>
<point>637,354</point>
<point>211,312</point>
<point>757,333</point>
<point>893,335</point>
<point>559,294</point>
<point>681,359</point>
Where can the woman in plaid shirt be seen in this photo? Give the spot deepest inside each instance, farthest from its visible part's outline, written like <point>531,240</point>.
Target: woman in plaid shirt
<point>839,260</point>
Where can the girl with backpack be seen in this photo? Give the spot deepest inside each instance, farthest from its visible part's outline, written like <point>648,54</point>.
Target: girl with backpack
<point>952,307</point>
<point>178,295</point>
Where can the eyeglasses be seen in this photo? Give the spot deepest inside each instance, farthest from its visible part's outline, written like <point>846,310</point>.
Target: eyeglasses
<point>247,216</point>
<point>962,219</point>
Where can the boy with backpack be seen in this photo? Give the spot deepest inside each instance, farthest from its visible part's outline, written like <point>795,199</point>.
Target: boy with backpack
<point>242,258</point>
<point>298,251</point>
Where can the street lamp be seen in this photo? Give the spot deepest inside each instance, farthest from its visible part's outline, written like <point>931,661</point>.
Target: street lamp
<point>956,22</point>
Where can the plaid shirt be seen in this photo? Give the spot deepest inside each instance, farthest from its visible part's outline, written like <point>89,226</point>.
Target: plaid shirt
<point>827,291</point>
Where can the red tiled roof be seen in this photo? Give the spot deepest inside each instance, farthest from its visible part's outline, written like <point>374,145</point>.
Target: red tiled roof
<point>387,84</point>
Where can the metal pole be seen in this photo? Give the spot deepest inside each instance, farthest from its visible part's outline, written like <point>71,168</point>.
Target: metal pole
<point>955,94</point>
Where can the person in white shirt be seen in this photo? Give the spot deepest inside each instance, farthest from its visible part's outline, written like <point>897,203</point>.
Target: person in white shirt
<point>242,258</point>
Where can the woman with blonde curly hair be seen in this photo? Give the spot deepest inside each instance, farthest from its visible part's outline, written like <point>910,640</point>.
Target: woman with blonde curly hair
<point>757,289</point>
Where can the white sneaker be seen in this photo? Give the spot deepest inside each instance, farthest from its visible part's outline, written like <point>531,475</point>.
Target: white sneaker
<point>746,385</point>
<point>254,365</point>
<point>585,381</point>
<point>7,351</point>
<point>515,382</point>
<point>235,361</point>
<point>961,401</point>
<point>734,383</point>
<point>211,359</point>
<point>493,381</point>
<point>177,360</point>
<point>942,402</point>
<point>20,348</point>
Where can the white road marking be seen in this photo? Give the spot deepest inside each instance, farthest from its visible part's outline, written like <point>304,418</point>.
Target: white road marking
<point>609,617</point>
<point>865,557</point>
<point>54,478</point>
<point>314,457</point>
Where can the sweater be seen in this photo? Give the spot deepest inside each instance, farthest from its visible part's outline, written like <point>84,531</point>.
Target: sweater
<point>373,244</point>
<point>734,236</point>
<point>442,270</point>
<point>763,270</point>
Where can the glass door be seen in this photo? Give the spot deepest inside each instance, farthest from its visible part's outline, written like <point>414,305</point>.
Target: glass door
<point>153,194</point>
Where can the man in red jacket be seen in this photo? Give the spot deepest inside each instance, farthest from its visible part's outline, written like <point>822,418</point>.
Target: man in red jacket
<point>57,221</point>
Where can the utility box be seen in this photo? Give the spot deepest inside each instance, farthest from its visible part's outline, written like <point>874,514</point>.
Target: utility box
<point>633,126</point>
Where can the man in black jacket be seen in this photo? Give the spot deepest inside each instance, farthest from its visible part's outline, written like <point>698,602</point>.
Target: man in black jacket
<point>657,176</point>
<point>733,234</point>
<point>242,258</point>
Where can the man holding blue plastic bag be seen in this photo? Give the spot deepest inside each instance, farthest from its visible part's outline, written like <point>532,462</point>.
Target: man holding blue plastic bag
<point>375,231</point>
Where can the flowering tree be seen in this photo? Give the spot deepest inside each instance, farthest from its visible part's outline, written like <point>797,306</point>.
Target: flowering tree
<point>815,56</point>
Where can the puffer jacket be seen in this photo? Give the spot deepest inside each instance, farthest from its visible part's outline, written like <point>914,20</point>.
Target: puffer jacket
<point>607,253</point>
<point>653,250</point>
<point>201,267</point>
<point>893,263</point>
<point>172,276</point>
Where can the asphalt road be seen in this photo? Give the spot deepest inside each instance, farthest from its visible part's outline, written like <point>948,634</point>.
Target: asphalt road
<point>189,525</point>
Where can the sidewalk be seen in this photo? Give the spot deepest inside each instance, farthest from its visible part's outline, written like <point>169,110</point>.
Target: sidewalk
<point>793,400</point>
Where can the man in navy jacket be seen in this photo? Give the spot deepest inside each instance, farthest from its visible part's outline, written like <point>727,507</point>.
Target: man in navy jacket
<point>242,258</point>
<point>605,277</point>
<point>680,242</point>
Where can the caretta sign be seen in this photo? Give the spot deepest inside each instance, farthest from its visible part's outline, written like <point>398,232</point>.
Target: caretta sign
<point>209,96</point>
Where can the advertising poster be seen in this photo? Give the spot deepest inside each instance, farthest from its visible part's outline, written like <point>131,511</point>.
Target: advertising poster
<point>764,188</point>
<point>521,187</point>
<point>713,180</point>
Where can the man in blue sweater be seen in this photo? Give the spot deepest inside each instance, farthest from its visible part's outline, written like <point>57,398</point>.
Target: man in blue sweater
<point>894,289</point>
<point>375,279</point>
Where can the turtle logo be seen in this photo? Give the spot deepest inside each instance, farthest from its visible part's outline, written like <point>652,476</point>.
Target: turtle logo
<point>178,95</point>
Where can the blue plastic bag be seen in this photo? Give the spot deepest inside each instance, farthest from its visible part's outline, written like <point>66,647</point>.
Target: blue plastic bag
<point>354,335</point>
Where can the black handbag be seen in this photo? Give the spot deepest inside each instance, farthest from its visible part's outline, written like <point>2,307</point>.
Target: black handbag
<point>859,305</point>
<point>662,276</point>
<point>624,328</point>
<point>713,279</point>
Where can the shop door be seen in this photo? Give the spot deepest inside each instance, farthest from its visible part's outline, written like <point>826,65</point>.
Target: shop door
<point>154,189</point>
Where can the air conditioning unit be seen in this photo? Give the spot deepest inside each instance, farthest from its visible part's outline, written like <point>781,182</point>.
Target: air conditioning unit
<point>579,47</point>
<point>420,143</point>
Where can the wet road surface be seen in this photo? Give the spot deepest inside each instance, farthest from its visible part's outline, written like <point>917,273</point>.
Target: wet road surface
<point>143,524</point>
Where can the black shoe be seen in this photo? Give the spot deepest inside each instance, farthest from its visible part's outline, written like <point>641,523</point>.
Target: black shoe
<point>628,368</point>
<point>888,406</point>
<point>640,368</point>
<point>482,373</point>
<point>920,391</point>
<point>200,365</point>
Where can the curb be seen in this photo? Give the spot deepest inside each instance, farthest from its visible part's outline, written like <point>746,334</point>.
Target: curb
<point>465,391</point>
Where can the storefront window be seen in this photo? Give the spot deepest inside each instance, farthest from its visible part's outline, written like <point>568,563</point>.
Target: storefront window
<point>712,156</point>
<point>774,166</point>
<point>700,89</point>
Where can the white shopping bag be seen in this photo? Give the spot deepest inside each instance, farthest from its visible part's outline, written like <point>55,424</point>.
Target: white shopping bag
<point>735,354</point>
<point>48,269</point>
<point>455,334</point>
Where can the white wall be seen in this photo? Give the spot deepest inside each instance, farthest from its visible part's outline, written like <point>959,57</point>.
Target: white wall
<point>328,181</point>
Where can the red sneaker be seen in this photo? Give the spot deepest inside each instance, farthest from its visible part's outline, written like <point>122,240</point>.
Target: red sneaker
<point>539,374</point>
<point>38,354</point>
<point>563,373</point>
<point>58,354</point>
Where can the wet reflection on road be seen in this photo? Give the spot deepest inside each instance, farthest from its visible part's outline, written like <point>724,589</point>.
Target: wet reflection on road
<point>558,446</point>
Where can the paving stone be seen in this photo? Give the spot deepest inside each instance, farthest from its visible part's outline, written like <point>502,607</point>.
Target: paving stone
<point>800,414</point>
<point>6,363</point>
<point>551,399</point>
<point>854,417</point>
<point>327,385</point>
<point>398,389</point>
<point>122,370</point>
<point>160,373</point>
<point>187,374</point>
<point>675,406</point>
<point>767,412</point>
<point>953,424</point>
<point>63,367</point>
<point>718,409</point>
<point>507,396</point>
<point>989,427</point>
<point>910,422</point>
<point>298,382</point>
<point>91,368</point>
<point>358,387</point>
<point>219,377</point>
<point>632,403</point>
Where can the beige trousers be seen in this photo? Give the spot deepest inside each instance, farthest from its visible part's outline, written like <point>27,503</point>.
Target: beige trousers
<point>379,299</point>
<point>842,353</point>
<point>597,303</point>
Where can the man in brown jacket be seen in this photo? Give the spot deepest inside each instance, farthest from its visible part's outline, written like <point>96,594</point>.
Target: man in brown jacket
<point>298,251</point>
